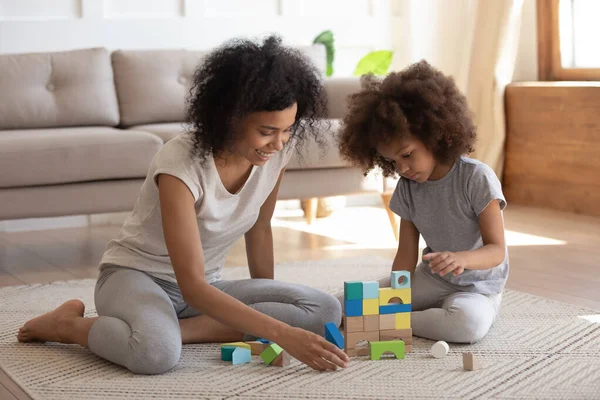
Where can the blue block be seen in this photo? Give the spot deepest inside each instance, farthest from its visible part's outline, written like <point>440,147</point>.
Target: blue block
<point>241,356</point>
<point>353,308</point>
<point>370,290</point>
<point>333,335</point>
<point>395,308</point>
<point>264,341</point>
<point>396,275</point>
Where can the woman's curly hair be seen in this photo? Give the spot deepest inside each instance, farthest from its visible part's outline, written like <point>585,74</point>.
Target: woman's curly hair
<point>419,101</point>
<point>244,76</point>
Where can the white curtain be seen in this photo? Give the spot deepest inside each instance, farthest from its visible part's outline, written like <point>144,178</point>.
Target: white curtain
<point>476,41</point>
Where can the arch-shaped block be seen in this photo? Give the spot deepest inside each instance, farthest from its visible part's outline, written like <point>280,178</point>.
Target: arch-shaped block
<point>376,349</point>
<point>387,294</point>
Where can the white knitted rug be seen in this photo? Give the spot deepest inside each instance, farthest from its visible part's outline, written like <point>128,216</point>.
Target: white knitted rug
<point>538,349</point>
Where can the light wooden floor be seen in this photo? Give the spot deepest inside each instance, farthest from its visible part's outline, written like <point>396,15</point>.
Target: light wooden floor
<point>552,254</point>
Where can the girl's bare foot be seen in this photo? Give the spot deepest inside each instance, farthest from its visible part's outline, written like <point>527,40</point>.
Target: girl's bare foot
<point>53,326</point>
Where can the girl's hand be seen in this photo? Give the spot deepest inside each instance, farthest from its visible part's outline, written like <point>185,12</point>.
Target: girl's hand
<point>445,262</point>
<point>313,350</point>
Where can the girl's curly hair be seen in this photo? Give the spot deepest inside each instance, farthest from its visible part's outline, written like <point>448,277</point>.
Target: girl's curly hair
<point>419,101</point>
<point>243,76</point>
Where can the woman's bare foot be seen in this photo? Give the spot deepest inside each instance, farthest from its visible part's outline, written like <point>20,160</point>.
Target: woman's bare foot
<point>54,326</point>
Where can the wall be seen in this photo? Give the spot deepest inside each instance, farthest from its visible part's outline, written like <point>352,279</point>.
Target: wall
<point>359,26</point>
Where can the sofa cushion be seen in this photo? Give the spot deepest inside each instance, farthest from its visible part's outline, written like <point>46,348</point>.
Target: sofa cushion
<point>66,155</point>
<point>315,157</point>
<point>152,84</point>
<point>166,131</point>
<point>46,90</point>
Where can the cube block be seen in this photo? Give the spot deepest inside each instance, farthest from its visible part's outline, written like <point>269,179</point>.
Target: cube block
<point>370,307</point>
<point>400,279</point>
<point>403,320</point>
<point>371,323</point>
<point>387,322</point>
<point>353,308</point>
<point>353,290</point>
<point>370,290</point>
<point>354,324</point>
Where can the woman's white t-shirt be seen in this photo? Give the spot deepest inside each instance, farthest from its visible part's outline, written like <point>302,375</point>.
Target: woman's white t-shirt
<point>222,217</point>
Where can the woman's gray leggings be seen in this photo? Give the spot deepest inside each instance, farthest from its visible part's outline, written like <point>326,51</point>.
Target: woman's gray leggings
<point>139,314</point>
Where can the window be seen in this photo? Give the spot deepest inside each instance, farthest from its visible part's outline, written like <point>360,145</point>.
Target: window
<point>568,33</point>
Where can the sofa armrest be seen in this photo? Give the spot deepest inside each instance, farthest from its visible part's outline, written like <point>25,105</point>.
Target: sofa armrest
<point>338,90</point>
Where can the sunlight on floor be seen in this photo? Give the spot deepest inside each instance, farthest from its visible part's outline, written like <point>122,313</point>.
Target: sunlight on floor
<point>594,318</point>
<point>369,228</point>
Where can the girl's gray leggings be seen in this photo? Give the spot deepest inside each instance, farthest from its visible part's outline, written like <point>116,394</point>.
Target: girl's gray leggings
<point>139,329</point>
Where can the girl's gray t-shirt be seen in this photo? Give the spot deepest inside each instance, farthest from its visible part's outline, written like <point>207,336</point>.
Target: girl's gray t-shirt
<point>222,217</point>
<point>446,212</point>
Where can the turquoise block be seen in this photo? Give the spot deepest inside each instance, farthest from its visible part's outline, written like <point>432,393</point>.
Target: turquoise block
<point>353,308</point>
<point>395,277</point>
<point>241,356</point>
<point>353,290</point>
<point>370,290</point>
<point>227,352</point>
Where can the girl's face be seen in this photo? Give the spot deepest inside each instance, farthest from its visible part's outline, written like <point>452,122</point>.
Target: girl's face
<point>264,133</point>
<point>412,159</point>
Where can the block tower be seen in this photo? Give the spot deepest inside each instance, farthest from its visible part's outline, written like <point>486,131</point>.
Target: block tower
<point>376,314</point>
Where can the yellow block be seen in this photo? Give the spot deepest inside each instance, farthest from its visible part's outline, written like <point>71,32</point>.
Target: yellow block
<point>386,294</point>
<point>403,320</point>
<point>370,306</point>
<point>237,344</point>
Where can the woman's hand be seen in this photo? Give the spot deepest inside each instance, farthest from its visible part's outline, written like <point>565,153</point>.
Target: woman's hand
<point>445,262</point>
<point>313,350</point>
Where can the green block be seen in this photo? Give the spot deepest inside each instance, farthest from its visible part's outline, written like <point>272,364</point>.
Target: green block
<point>376,349</point>
<point>353,290</point>
<point>227,352</point>
<point>271,353</point>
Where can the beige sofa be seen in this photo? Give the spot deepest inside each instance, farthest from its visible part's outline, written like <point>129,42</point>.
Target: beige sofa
<point>79,128</point>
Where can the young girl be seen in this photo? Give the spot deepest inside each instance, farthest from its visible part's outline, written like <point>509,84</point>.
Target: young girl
<point>250,106</point>
<point>417,124</point>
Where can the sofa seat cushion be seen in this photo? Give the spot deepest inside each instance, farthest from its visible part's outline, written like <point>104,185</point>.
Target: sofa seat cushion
<point>166,131</point>
<point>56,156</point>
<point>314,157</point>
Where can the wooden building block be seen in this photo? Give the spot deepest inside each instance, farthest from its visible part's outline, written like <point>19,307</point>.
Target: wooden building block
<point>353,290</point>
<point>282,360</point>
<point>370,307</point>
<point>241,355</point>
<point>387,322</point>
<point>370,290</point>
<point>256,347</point>
<point>400,296</point>
<point>227,352</point>
<point>359,352</point>
<point>440,349</point>
<point>271,353</point>
<point>370,323</point>
<point>395,308</point>
<point>353,338</point>
<point>353,308</point>
<point>237,344</point>
<point>394,346</point>
<point>333,335</point>
<point>470,362</point>
<point>400,279</point>
<point>402,320</point>
<point>354,324</point>
<point>393,334</point>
